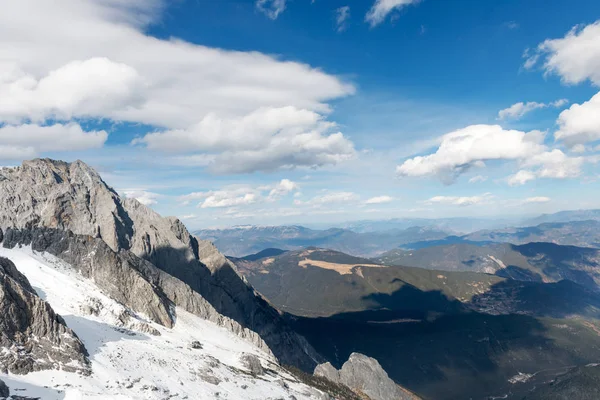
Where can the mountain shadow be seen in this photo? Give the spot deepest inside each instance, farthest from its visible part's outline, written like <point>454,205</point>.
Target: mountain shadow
<point>231,296</point>
<point>441,348</point>
<point>563,262</point>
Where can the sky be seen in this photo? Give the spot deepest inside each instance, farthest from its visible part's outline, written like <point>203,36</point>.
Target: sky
<point>268,112</point>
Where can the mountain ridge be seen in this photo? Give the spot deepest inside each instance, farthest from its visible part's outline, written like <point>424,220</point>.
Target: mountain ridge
<point>44,193</point>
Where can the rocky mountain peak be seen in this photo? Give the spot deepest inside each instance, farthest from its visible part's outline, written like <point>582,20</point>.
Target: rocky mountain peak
<point>365,375</point>
<point>33,337</point>
<point>72,197</point>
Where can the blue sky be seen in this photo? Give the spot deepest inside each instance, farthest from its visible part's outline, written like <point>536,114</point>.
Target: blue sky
<point>297,111</point>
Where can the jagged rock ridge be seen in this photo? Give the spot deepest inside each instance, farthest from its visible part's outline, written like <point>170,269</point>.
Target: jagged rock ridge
<point>123,276</point>
<point>364,375</point>
<point>43,193</point>
<point>32,336</point>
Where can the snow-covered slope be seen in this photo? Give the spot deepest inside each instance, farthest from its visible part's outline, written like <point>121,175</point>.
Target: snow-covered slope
<point>134,358</point>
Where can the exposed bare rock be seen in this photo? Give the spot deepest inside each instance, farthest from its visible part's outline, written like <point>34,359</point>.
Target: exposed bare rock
<point>4,391</point>
<point>328,371</point>
<point>253,364</point>
<point>126,278</point>
<point>73,197</point>
<point>111,271</point>
<point>32,335</point>
<point>364,375</point>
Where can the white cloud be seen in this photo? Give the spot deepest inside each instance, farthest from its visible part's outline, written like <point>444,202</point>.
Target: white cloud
<point>240,195</point>
<point>465,148</point>
<point>342,15</point>
<point>478,178</point>
<point>93,88</point>
<point>575,57</point>
<point>580,123</point>
<point>143,196</point>
<point>379,200</point>
<point>228,199</point>
<point>329,198</point>
<point>271,8</point>
<point>555,164</point>
<point>518,110</point>
<point>266,139</point>
<point>283,188</point>
<point>97,61</point>
<point>539,199</point>
<point>382,8</point>
<point>29,140</point>
<point>521,178</point>
<point>550,164</point>
<point>462,201</point>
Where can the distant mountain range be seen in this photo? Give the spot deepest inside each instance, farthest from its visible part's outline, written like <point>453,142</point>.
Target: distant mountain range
<point>563,216</point>
<point>240,241</point>
<point>366,241</point>
<point>574,233</point>
<point>541,262</point>
<point>441,334</point>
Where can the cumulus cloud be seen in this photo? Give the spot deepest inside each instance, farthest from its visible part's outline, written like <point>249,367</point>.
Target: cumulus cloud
<point>271,8</point>
<point>92,88</point>
<point>379,200</point>
<point>549,164</point>
<point>143,196</point>
<point>329,198</point>
<point>472,146</point>
<point>521,178</point>
<point>342,15</point>
<point>382,8</point>
<point>462,201</point>
<point>283,188</point>
<point>555,164</point>
<point>266,139</point>
<point>574,58</point>
<point>539,199</point>
<point>518,110</point>
<point>241,195</point>
<point>50,74</point>
<point>580,123</point>
<point>226,199</point>
<point>478,178</point>
<point>29,140</point>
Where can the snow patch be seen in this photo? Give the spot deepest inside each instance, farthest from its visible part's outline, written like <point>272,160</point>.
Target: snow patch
<point>128,363</point>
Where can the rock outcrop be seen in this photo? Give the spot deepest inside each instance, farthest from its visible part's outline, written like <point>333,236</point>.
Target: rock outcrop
<point>4,391</point>
<point>32,336</point>
<point>43,193</point>
<point>365,376</point>
<point>126,278</point>
<point>253,364</point>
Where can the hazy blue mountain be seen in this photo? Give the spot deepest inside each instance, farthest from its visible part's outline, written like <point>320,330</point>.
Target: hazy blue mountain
<point>576,233</point>
<point>241,241</point>
<point>539,261</point>
<point>563,216</point>
<point>458,224</point>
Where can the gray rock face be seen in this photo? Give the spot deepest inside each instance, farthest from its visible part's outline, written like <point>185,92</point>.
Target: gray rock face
<point>73,197</point>
<point>4,391</point>
<point>33,336</point>
<point>328,371</point>
<point>123,276</point>
<point>253,364</point>
<point>364,375</point>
